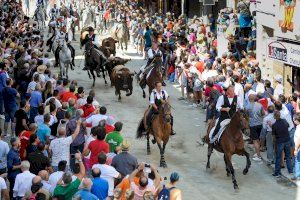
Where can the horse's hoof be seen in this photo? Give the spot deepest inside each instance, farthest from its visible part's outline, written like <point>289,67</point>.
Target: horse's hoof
<point>163,165</point>
<point>227,174</point>
<point>245,171</point>
<point>236,188</point>
<point>144,96</point>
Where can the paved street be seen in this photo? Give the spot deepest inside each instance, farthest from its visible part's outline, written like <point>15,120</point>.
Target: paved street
<point>183,154</point>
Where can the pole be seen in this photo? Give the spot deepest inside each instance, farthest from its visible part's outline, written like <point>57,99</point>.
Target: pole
<point>182,6</point>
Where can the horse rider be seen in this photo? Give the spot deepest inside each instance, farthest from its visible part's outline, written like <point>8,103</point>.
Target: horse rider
<point>227,105</point>
<point>54,12</point>
<point>153,53</point>
<point>60,36</point>
<point>69,21</point>
<point>92,37</point>
<point>158,96</point>
<point>57,25</point>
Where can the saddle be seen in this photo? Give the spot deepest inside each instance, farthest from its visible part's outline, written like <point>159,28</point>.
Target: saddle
<point>218,136</point>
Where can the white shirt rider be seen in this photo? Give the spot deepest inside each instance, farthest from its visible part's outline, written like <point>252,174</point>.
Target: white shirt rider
<point>158,93</point>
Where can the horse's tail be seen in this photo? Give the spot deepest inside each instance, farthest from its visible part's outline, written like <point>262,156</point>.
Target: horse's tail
<point>140,133</point>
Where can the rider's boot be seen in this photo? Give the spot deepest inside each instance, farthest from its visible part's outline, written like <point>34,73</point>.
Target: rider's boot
<point>85,68</point>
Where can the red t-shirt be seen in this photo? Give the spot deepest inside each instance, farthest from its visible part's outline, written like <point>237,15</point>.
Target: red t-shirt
<point>208,90</point>
<point>64,97</point>
<point>96,147</point>
<point>24,139</point>
<point>87,110</point>
<point>109,128</point>
<point>264,102</point>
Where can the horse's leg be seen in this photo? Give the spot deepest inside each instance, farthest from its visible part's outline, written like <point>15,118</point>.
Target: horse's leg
<point>162,156</point>
<point>144,94</point>
<point>148,144</point>
<point>229,164</point>
<point>245,153</point>
<point>88,71</point>
<point>103,73</point>
<point>209,152</point>
<point>67,71</point>
<point>94,77</point>
<point>226,166</point>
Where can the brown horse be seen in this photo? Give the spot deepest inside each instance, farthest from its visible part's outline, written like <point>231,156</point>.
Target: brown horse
<point>231,142</point>
<point>160,129</point>
<point>155,75</point>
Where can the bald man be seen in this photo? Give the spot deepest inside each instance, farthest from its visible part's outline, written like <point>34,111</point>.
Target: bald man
<point>45,179</point>
<point>84,192</point>
<point>37,185</point>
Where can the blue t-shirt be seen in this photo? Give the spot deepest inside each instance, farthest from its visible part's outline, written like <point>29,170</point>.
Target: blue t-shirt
<point>85,195</point>
<point>9,97</point>
<point>100,188</point>
<point>3,78</point>
<point>35,99</point>
<point>43,131</point>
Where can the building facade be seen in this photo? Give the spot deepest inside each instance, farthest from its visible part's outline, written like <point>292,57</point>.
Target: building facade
<point>278,40</point>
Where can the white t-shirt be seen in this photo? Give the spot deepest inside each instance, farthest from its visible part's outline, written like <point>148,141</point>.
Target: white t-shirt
<point>60,148</point>
<point>95,119</point>
<point>239,91</point>
<point>3,186</point>
<point>108,173</point>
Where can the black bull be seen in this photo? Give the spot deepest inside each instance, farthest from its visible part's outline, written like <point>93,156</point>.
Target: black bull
<point>121,78</point>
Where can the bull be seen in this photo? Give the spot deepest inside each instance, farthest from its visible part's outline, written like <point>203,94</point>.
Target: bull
<point>121,78</point>
<point>110,43</point>
<point>113,62</point>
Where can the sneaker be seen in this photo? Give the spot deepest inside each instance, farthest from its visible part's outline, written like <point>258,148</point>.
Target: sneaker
<point>256,158</point>
<point>276,175</point>
<point>291,176</point>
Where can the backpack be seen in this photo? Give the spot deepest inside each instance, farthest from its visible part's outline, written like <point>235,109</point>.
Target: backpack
<point>165,193</point>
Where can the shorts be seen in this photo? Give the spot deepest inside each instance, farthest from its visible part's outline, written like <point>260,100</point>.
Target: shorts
<point>10,114</point>
<point>255,132</point>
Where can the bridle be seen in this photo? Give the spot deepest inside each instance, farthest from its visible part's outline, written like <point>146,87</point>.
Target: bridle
<point>166,115</point>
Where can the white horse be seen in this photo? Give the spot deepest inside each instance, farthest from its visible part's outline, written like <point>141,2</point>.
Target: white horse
<point>40,16</point>
<point>65,58</point>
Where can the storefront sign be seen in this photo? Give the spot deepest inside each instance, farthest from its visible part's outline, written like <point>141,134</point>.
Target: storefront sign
<point>285,52</point>
<point>288,19</point>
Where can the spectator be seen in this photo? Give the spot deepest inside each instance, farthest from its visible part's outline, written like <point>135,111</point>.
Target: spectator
<point>35,101</point>
<point>256,113</point>
<point>3,78</point>
<point>297,148</point>
<point>268,121</point>
<point>37,188</point>
<point>23,181</point>
<point>109,124</point>
<point>60,147</point>
<point>124,162</point>
<point>88,108</point>
<point>24,139</point>
<point>4,149</point>
<point>38,161</point>
<point>96,118</point>
<point>32,146</point>
<point>4,194</point>
<point>97,146</point>
<point>55,96</point>
<point>43,131</point>
<point>115,138</point>
<point>84,192</point>
<point>282,143</point>
<point>108,173</point>
<point>80,97</point>
<point>170,191</point>
<point>66,186</point>
<point>140,189</point>
<point>100,185</point>
<point>45,180</point>
<point>13,163</point>
<point>78,142</point>
<point>10,104</point>
<point>66,96</point>
<point>21,118</point>
<point>39,119</point>
<point>71,109</point>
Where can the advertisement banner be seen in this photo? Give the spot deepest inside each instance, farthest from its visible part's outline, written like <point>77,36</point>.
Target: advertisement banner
<point>287,53</point>
<point>287,19</point>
